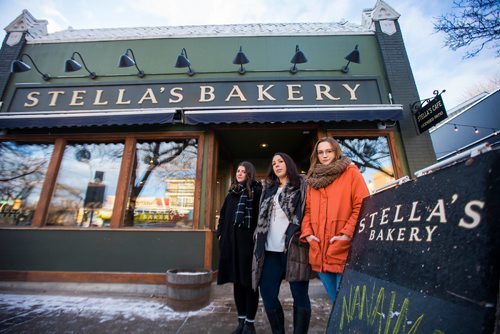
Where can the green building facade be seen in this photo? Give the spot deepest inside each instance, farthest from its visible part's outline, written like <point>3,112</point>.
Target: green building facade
<point>116,174</point>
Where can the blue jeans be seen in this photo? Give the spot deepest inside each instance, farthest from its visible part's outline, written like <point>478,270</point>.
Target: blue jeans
<point>331,283</point>
<point>273,272</point>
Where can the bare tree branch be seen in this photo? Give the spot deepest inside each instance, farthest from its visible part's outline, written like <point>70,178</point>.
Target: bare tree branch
<point>475,24</point>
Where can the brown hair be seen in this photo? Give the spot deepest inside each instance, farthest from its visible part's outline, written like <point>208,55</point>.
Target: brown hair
<point>250,171</point>
<point>314,155</point>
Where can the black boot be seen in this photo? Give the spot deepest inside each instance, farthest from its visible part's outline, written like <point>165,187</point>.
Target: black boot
<point>301,319</point>
<point>239,329</point>
<point>276,320</point>
<point>249,328</point>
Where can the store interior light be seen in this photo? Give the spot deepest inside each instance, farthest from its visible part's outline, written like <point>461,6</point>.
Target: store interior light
<point>72,65</point>
<point>126,61</point>
<point>18,66</point>
<point>352,57</point>
<point>241,59</point>
<point>183,61</point>
<point>298,58</point>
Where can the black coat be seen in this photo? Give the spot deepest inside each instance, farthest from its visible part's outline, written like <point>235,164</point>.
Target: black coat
<point>236,243</point>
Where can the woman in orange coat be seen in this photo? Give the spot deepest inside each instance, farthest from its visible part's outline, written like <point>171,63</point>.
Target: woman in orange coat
<point>335,192</point>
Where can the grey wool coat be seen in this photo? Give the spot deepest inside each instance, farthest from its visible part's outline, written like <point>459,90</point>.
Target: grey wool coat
<point>292,201</point>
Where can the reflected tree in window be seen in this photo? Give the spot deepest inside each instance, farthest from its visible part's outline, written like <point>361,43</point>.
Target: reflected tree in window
<point>22,171</point>
<point>86,185</point>
<point>372,156</point>
<point>162,184</point>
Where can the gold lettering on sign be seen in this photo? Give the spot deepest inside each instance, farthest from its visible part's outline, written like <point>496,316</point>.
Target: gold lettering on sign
<point>148,95</point>
<point>97,101</point>
<point>207,94</point>
<point>119,100</point>
<point>176,92</point>
<point>292,92</point>
<point>236,92</point>
<point>55,96</point>
<point>324,90</point>
<point>474,215</point>
<point>351,90</point>
<point>263,92</point>
<point>77,98</point>
<point>32,96</point>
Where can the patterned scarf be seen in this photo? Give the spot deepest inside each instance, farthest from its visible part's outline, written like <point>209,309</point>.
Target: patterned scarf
<point>243,216</point>
<point>291,201</point>
<point>323,175</point>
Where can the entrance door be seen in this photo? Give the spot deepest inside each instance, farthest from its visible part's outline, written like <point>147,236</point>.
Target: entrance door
<point>257,145</point>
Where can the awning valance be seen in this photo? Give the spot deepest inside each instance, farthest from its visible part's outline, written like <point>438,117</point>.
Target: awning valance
<point>19,120</point>
<point>296,114</point>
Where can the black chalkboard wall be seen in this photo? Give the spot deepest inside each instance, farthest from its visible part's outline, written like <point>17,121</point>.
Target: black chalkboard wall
<point>425,257</point>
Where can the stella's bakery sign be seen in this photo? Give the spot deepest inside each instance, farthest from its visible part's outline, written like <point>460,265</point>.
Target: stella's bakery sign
<point>194,94</point>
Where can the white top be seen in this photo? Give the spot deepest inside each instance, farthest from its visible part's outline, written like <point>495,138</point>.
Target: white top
<point>277,227</point>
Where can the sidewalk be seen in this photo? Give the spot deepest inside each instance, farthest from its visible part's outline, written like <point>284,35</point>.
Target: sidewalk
<point>120,308</point>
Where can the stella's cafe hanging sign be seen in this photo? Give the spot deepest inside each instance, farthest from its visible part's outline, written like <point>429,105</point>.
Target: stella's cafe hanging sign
<point>429,112</point>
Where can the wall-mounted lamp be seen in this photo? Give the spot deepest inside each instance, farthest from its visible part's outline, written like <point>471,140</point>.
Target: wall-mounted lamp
<point>72,65</point>
<point>182,61</point>
<point>298,58</point>
<point>126,61</point>
<point>241,59</point>
<point>17,66</point>
<point>351,57</point>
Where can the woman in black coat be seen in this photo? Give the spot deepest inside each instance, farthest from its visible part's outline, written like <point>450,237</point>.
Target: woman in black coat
<point>237,222</point>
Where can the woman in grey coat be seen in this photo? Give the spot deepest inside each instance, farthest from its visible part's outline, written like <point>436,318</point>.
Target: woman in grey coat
<point>278,252</point>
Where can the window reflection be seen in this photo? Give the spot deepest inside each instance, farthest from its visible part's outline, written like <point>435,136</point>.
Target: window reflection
<point>162,184</point>
<point>86,185</point>
<point>22,171</point>
<point>373,157</point>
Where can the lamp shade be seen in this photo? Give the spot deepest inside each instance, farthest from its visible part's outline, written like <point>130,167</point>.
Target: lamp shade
<point>126,61</point>
<point>18,66</point>
<point>298,57</point>
<point>182,61</point>
<point>72,65</point>
<point>353,57</point>
<point>240,58</point>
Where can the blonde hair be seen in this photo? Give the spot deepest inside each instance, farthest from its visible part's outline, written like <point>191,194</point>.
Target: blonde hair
<point>314,155</point>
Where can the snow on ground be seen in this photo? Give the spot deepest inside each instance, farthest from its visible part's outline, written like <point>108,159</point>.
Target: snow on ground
<point>105,308</point>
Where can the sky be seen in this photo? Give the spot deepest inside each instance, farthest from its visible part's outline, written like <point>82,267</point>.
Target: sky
<point>434,66</point>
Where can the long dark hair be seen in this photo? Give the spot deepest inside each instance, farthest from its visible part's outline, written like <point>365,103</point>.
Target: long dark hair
<point>250,170</point>
<point>291,171</point>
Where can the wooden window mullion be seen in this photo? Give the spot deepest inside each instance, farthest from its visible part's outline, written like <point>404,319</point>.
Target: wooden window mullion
<point>49,183</point>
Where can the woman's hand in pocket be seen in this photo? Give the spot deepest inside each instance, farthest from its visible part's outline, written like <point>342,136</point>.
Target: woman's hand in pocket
<point>311,237</point>
<point>340,237</point>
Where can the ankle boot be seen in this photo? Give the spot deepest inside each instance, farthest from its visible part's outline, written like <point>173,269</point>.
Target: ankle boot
<point>301,319</point>
<point>276,320</point>
<point>248,328</point>
<point>239,329</point>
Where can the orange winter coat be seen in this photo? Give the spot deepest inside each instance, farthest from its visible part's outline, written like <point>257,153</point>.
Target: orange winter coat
<point>332,211</point>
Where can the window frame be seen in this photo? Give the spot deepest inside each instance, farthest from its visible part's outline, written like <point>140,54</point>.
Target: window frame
<point>391,140</point>
<point>129,140</point>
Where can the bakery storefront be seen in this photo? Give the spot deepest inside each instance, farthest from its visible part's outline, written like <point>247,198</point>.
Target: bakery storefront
<point>116,173</point>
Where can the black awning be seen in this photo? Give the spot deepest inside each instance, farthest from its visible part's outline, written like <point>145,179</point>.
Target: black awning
<point>392,112</point>
<point>56,120</point>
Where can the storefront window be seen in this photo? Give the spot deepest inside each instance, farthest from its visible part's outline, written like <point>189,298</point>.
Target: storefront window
<point>162,184</point>
<point>373,157</point>
<point>86,185</point>
<point>22,171</point>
